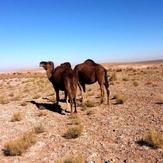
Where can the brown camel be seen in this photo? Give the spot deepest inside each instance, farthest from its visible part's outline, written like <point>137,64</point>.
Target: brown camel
<point>90,72</point>
<point>62,78</point>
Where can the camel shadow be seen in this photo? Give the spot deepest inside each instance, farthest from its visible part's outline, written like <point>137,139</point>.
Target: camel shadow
<point>51,107</point>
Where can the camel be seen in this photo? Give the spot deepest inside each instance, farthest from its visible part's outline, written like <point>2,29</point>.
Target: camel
<point>90,72</point>
<point>62,78</point>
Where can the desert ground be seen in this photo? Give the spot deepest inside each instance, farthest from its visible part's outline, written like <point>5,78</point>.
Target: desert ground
<point>104,133</point>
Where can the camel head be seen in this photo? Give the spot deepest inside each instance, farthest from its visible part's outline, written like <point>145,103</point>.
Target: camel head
<point>48,66</point>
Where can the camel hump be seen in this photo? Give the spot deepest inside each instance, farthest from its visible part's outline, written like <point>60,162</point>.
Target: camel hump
<point>89,61</point>
<point>66,65</point>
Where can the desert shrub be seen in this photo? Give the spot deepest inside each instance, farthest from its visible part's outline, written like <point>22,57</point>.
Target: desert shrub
<point>19,145</point>
<point>72,159</point>
<point>36,96</point>
<point>11,94</point>
<point>135,83</point>
<point>42,113</point>
<point>119,70</point>
<point>23,103</point>
<point>113,77</point>
<point>73,132</point>
<point>89,89</point>
<point>88,103</point>
<point>16,117</point>
<point>15,98</point>
<point>125,78</point>
<point>119,99</point>
<point>51,98</point>
<point>153,139</point>
<point>3,100</point>
<point>90,112</point>
<point>39,129</point>
<point>75,120</point>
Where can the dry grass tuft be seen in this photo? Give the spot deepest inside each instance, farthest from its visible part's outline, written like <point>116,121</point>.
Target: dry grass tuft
<point>39,129</point>
<point>88,103</point>
<point>135,83</point>
<point>20,145</point>
<point>73,132</point>
<point>37,96</point>
<point>90,112</point>
<point>3,100</point>
<point>155,139</point>
<point>119,99</point>
<point>125,78</point>
<point>23,103</point>
<point>72,159</point>
<point>16,117</point>
<point>42,113</point>
<point>113,77</point>
<point>15,98</point>
<point>75,120</point>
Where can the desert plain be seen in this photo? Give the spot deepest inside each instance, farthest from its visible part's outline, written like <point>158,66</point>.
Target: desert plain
<point>122,131</point>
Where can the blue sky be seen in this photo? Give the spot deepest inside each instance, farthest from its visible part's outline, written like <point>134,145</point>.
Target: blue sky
<point>74,30</point>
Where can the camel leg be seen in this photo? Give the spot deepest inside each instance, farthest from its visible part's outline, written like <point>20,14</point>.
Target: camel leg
<point>81,92</point>
<point>74,101</point>
<point>71,105</point>
<point>102,93</point>
<point>108,93</point>
<point>57,96</point>
<point>68,105</point>
<point>84,89</point>
<point>65,95</point>
<point>83,86</point>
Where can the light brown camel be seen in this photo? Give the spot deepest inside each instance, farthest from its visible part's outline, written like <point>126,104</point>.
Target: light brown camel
<point>90,72</point>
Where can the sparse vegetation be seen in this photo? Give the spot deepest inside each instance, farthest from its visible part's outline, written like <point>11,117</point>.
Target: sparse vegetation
<point>3,100</point>
<point>73,132</point>
<point>135,83</point>
<point>125,78</point>
<point>42,113</point>
<point>20,145</point>
<point>15,98</point>
<point>39,129</point>
<point>75,120</point>
<point>113,77</point>
<point>23,103</point>
<point>88,103</point>
<point>72,159</point>
<point>16,117</point>
<point>119,99</point>
<point>76,128</point>
<point>36,96</point>
<point>153,139</point>
<point>90,112</point>
<point>100,126</point>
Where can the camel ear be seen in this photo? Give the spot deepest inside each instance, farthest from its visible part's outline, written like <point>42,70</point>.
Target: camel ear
<point>51,63</point>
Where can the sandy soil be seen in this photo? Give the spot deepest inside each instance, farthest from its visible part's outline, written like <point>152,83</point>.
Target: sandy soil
<point>110,132</point>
